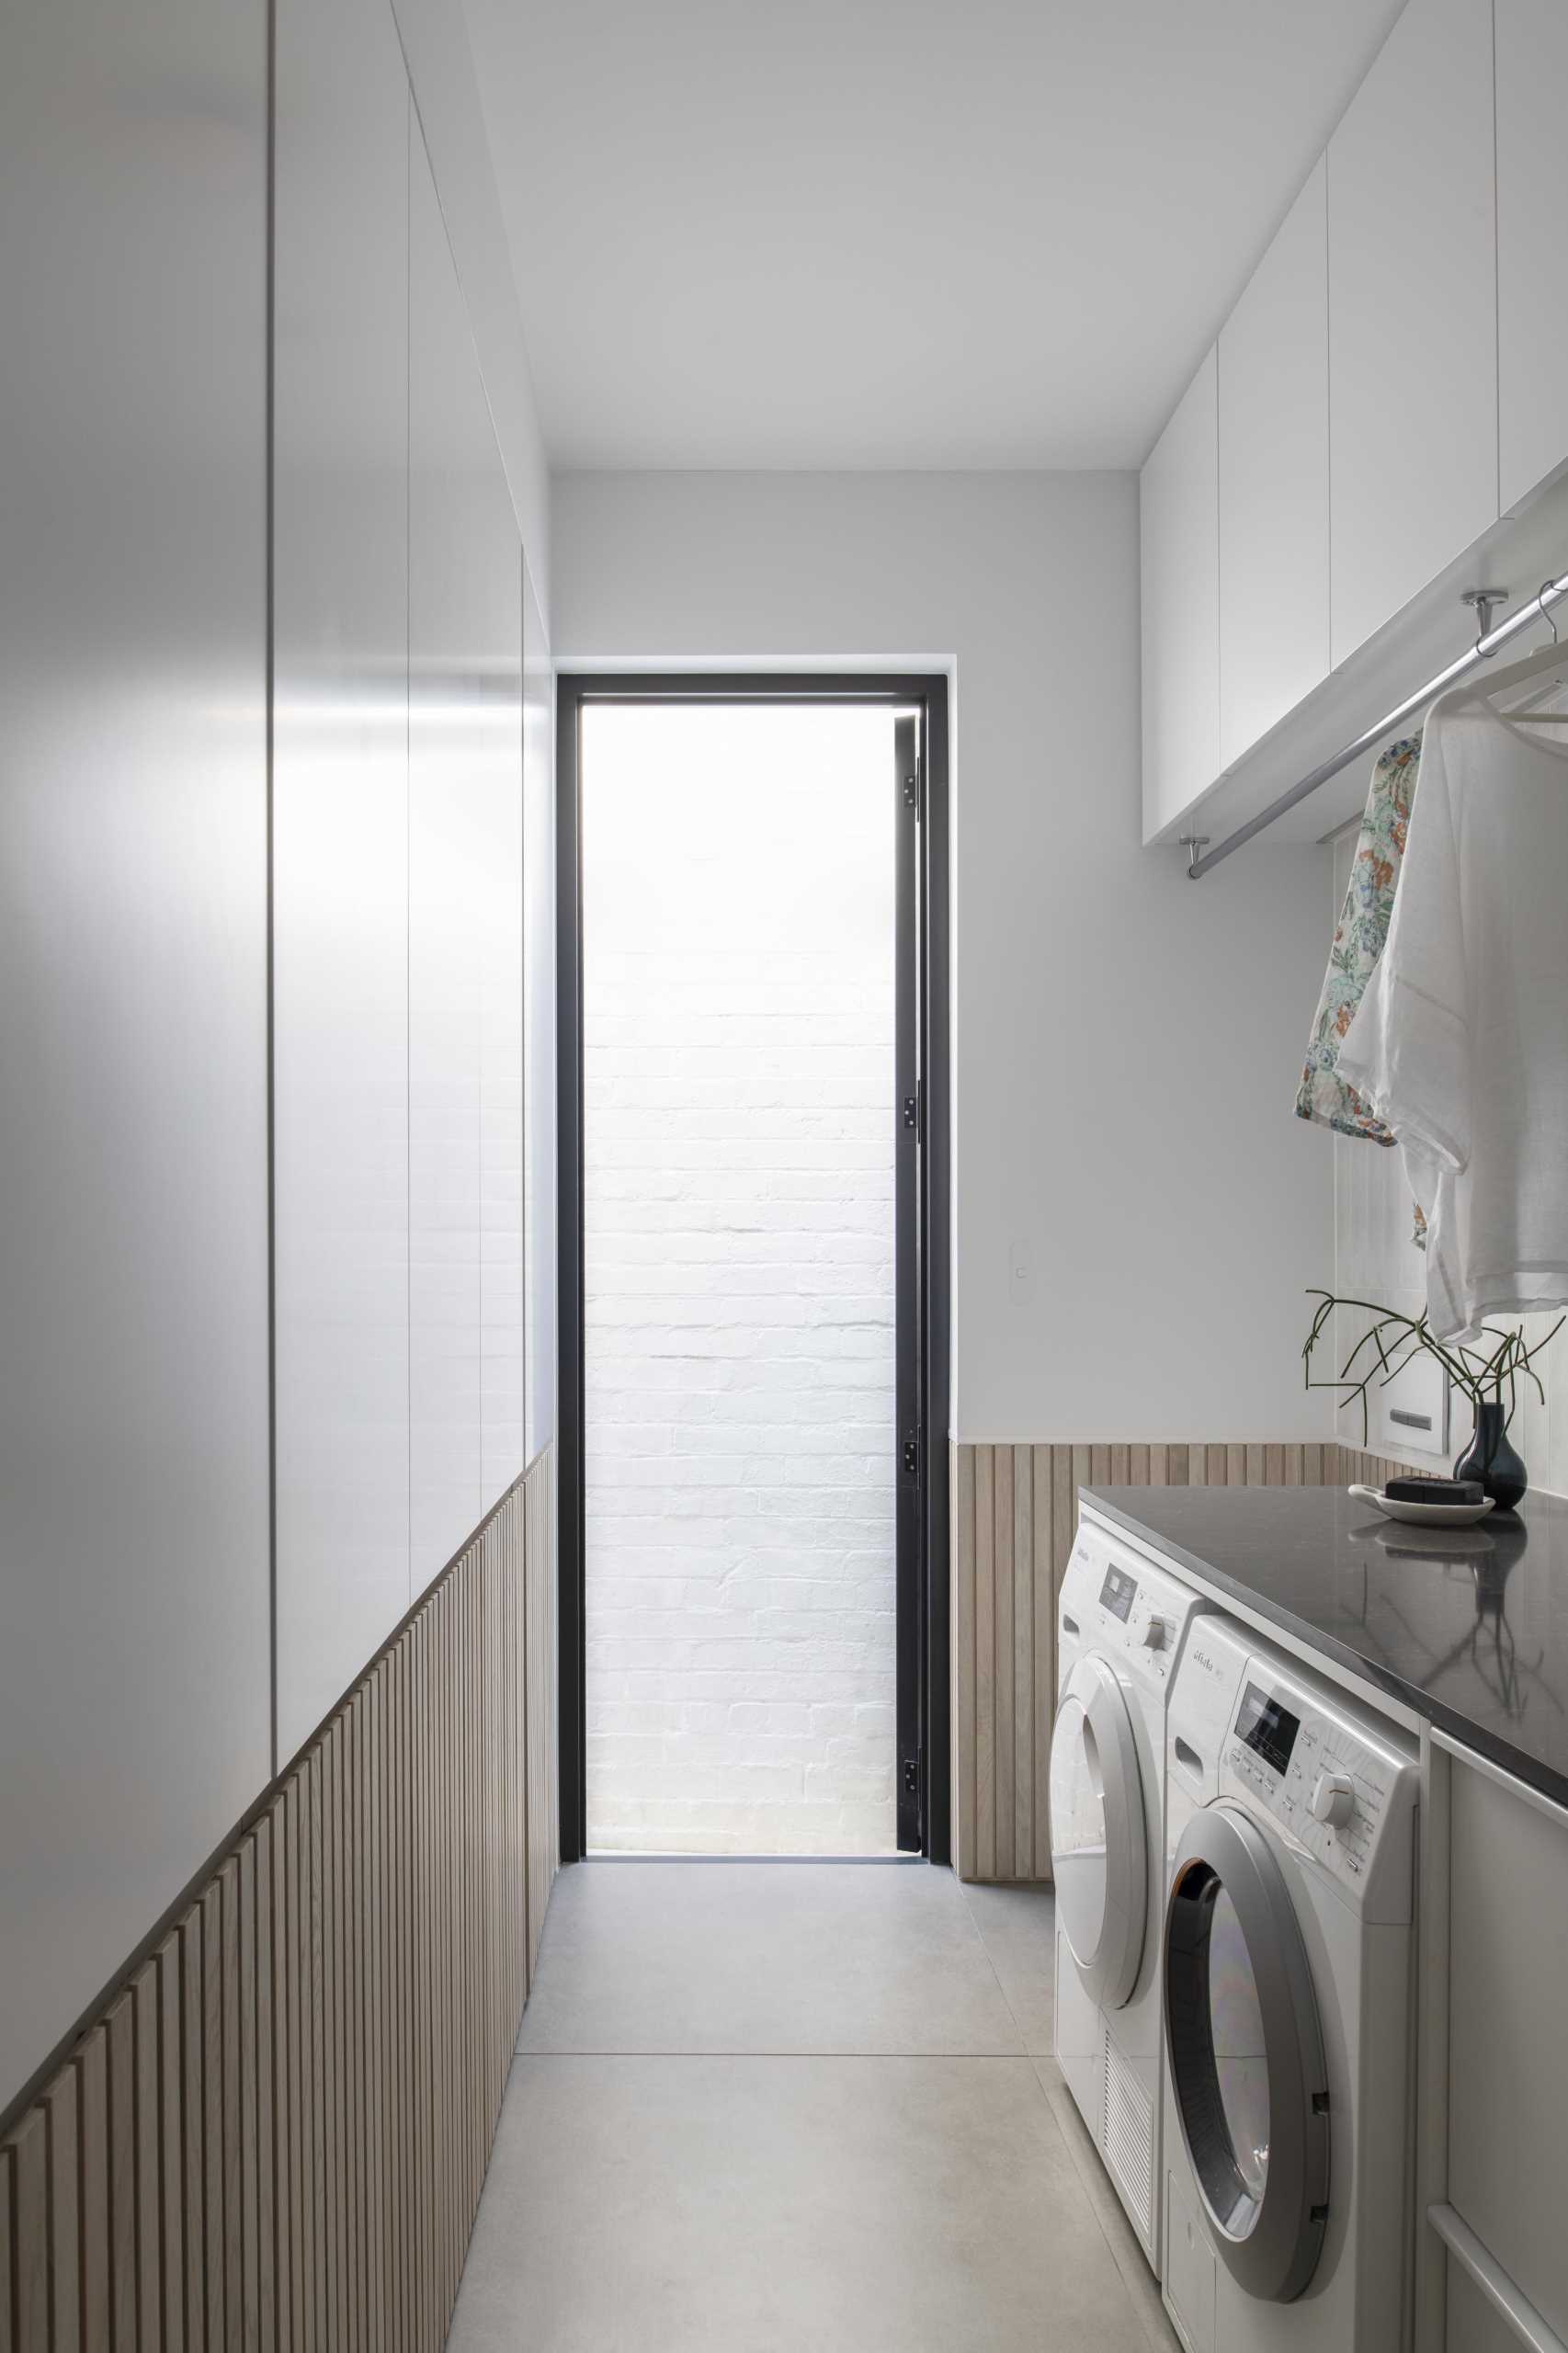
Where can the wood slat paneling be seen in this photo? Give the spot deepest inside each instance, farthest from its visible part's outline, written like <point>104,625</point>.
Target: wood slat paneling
<point>30,2252</point>
<point>149,2219</point>
<point>275,2135</point>
<point>541,1827</point>
<point>1357,1469</point>
<point>984,1759</point>
<point>65,2244</point>
<point>93,2226</point>
<point>961,1550</point>
<point>1015,1514</point>
<point>8,2337</point>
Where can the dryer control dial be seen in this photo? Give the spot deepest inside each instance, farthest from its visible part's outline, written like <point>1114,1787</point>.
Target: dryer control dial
<point>1333,1799</point>
<point>1155,1634</point>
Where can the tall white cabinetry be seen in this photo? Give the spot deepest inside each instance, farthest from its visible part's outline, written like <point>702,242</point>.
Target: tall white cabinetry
<point>1180,517</point>
<point>1413,314</point>
<point>397,876</point>
<point>134,1458</point>
<point>1532,317</point>
<point>340,849</point>
<point>1273,456</point>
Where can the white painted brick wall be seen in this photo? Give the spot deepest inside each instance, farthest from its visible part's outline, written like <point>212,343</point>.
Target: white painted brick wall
<point>739,1274</point>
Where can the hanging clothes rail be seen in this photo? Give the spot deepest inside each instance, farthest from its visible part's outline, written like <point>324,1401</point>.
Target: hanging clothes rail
<point>1490,642</point>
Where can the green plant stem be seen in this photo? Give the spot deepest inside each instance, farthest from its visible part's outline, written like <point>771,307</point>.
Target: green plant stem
<point>1473,1370</point>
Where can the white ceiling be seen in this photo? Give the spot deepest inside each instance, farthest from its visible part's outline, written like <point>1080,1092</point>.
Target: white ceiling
<point>894,232</point>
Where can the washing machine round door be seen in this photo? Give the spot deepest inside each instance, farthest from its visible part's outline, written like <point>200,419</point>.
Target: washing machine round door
<point>1246,2051</point>
<point>1098,1841</point>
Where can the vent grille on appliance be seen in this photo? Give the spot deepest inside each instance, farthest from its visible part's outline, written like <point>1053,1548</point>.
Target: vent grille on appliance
<point>1127,2136</point>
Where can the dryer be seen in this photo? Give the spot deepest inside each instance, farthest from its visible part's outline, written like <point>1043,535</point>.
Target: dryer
<point>1121,1626</point>
<point>1287,1969</point>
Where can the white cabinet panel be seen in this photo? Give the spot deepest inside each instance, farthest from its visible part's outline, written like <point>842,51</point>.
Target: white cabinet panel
<point>465,919</point>
<point>449,436</point>
<point>1472,2325</point>
<point>498,919</point>
<point>134,1578</point>
<point>539,1020</point>
<point>1178,506</point>
<point>1413,316</point>
<point>1532,317</point>
<point>1274,616</point>
<point>1508,2057</point>
<point>340,847</point>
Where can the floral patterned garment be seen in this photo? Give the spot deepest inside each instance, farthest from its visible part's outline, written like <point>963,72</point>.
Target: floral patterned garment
<point>1359,942</point>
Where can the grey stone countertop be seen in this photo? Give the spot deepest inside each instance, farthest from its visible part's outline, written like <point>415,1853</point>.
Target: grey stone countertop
<point>1467,1626</point>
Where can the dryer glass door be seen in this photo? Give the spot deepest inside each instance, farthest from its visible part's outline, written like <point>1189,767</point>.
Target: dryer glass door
<point>1098,1842</point>
<point>1240,2065</point>
<point>1246,2053</point>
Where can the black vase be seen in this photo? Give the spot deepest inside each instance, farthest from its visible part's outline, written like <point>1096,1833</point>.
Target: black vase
<point>1490,1458</point>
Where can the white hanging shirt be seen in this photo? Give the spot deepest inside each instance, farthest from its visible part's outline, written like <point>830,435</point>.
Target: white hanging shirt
<point>1461,1038</point>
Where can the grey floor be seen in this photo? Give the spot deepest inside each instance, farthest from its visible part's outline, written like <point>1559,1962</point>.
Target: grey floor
<point>778,2105</point>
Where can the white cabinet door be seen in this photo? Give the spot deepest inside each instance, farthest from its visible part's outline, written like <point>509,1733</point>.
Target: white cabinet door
<point>1179,510</point>
<point>1471,2325</point>
<point>1274,620</point>
<point>1532,317</point>
<point>340,849</point>
<point>1413,315</point>
<point>1507,2053</point>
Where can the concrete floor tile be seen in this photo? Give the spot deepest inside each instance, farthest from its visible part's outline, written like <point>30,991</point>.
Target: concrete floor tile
<point>1143,2287</point>
<point>764,1957</point>
<point>709,2205</point>
<point>897,2177</point>
<point>1018,1928</point>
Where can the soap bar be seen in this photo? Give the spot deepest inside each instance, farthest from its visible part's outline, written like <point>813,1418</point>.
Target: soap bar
<point>1434,1491</point>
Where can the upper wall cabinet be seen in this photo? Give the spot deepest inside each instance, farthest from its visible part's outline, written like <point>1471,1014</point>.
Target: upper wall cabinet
<point>1274,587</point>
<point>1392,382</point>
<point>1413,315</point>
<point>1179,504</point>
<point>1532,321</point>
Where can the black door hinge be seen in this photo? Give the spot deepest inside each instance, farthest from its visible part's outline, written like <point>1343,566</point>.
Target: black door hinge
<point>911,794</point>
<point>914,1109</point>
<point>911,1454</point>
<point>912,1777</point>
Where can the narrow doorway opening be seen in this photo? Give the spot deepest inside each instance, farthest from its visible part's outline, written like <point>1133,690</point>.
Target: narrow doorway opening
<point>746,1099</point>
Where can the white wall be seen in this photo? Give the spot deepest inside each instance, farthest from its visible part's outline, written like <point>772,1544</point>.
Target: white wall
<point>1126,1043</point>
<point>1376,1260</point>
<point>738,1244</point>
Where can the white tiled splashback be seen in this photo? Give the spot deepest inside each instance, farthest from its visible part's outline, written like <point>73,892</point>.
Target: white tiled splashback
<point>1375,1259</point>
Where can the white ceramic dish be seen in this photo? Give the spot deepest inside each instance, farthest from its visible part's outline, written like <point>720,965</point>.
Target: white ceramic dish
<point>1424,1515</point>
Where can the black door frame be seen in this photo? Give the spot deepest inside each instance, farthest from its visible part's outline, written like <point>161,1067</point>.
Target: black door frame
<point>924,1194</point>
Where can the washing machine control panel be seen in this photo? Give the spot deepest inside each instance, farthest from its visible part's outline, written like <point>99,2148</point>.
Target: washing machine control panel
<point>1336,1779</point>
<point>1341,1787</point>
<point>1120,1604</point>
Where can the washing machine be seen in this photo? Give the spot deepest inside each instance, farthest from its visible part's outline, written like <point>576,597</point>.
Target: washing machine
<point>1287,1965</point>
<point>1122,1627</point>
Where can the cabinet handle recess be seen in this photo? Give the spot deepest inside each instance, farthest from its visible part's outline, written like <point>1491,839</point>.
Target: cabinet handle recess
<point>1509,2302</point>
